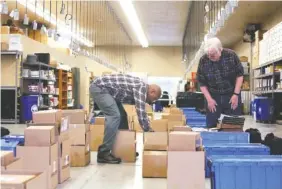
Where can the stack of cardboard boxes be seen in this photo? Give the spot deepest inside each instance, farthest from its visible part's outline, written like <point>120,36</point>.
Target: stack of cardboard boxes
<point>79,137</point>
<point>9,162</point>
<point>60,122</point>
<point>40,153</point>
<point>155,154</point>
<point>175,117</point>
<point>97,133</point>
<point>185,161</point>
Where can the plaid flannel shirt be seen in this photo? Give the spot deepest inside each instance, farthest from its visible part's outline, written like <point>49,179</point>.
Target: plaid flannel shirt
<point>220,77</point>
<point>126,87</point>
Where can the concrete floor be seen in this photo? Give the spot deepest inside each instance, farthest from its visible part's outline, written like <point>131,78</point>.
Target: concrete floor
<point>127,175</point>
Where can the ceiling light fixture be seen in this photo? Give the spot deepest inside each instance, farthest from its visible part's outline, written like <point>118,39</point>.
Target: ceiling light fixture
<point>132,17</point>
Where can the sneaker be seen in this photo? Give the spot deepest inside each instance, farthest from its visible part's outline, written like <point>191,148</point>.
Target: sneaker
<point>110,159</point>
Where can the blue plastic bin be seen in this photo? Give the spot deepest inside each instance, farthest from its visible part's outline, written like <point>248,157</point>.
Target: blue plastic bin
<point>225,137</point>
<point>29,104</point>
<point>246,172</point>
<point>233,149</point>
<point>17,138</point>
<point>9,146</point>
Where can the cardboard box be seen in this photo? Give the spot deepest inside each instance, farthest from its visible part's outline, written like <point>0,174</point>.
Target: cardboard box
<point>186,170</point>
<point>96,136</point>
<point>154,164</point>
<point>125,146</point>
<point>5,30</point>
<point>99,121</point>
<point>40,136</point>
<point>80,156</point>
<point>149,108</point>
<point>4,46</point>
<point>23,180</point>
<point>172,124</point>
<point>47,116</point>
<point>160,125</point>
<point>136,125</point>
<point>64,161</point>
<point>44,157</point>
<point>182,128</point>
<point>14,165</point>
<point>176,111</point>
<point>77,116</point>
<point>155,141</point>
<point>166,110</point>
<point>184,141</point>
<point>7,157</point>
<point>79,133</point>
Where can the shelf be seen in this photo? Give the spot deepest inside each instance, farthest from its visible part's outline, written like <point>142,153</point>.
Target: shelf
<point>267,75</point>
<point>37,78</point>
<point>11,52</point>
<point>39,64</point>
<point>267,92</point>
<point>39,93</point>
<point>268,63</point>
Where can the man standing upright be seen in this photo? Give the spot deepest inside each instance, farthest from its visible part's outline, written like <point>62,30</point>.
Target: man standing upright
<point>108,92</point>
<point>220,75</point>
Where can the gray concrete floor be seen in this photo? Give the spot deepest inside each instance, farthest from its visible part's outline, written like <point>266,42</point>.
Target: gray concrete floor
<point>128,175</point>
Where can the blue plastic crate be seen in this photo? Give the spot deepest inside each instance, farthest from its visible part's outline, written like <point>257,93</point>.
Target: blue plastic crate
<point>9,146</point>
<point>225,137</point>
<point>19,138</point>
<point>233,149</point>
<point>246,172</point>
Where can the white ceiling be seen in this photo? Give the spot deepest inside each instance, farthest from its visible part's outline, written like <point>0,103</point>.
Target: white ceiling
<point>163,21</point>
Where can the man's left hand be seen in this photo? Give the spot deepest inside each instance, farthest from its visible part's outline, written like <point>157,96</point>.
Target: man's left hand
<point>234,102</point>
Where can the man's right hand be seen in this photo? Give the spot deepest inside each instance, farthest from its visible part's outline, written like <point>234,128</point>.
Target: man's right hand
<point>212,105</point>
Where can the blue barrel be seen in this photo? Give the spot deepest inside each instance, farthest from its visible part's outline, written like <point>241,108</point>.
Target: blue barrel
<point>29,104</point>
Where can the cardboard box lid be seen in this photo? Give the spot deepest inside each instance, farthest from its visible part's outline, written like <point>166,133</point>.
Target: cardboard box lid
<point>182,128</point>
<point>38,136</point>
<point>7,157</point>
<point>47,116</point>
<point>16,179</point>
<point>184,141</point>
<point>155,140</point>
<point>76,116</point>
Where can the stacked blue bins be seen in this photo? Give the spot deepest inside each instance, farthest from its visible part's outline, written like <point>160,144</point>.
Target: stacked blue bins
<point>233,149</point>
<point>240,172</point>
<point>194,118</point>
<point>16,138</point>
<point>29,104</point>
<point>9,146</point>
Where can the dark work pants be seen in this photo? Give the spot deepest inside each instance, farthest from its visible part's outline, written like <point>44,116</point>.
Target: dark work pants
<point>223,107</point>
<point>123,117</point>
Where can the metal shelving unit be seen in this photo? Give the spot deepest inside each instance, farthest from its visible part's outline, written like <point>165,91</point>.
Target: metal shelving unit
<point>19,58</point>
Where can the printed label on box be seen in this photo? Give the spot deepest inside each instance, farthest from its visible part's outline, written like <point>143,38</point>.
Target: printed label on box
<point>64,125</point>
<point>198,143</point>
<point>88,148</point>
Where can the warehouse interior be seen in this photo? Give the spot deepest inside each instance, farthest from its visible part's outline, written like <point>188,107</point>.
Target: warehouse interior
<point>53,126</point>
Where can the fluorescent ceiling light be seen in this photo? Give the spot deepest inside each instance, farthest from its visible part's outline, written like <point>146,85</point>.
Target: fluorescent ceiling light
<point>132,17</point>
<point>61,25</point>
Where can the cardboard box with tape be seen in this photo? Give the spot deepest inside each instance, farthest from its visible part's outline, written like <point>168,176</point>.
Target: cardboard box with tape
<point>96,136</point>
<point>154,164</point>
<point>184,141</point>
<point>125,145</point>
<point>78,133</point>
<point>155,141</point>
<point>76,116</point>
<point>160,125</point>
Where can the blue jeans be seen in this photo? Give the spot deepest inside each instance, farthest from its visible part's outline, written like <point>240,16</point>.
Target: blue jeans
<point>223,107</point>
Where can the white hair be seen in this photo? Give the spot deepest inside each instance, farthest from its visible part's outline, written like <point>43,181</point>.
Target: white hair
<point>212,43</point>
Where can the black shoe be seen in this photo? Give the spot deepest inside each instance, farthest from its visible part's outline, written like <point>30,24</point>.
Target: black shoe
<point>110,159</point>
<point>137,154</point>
